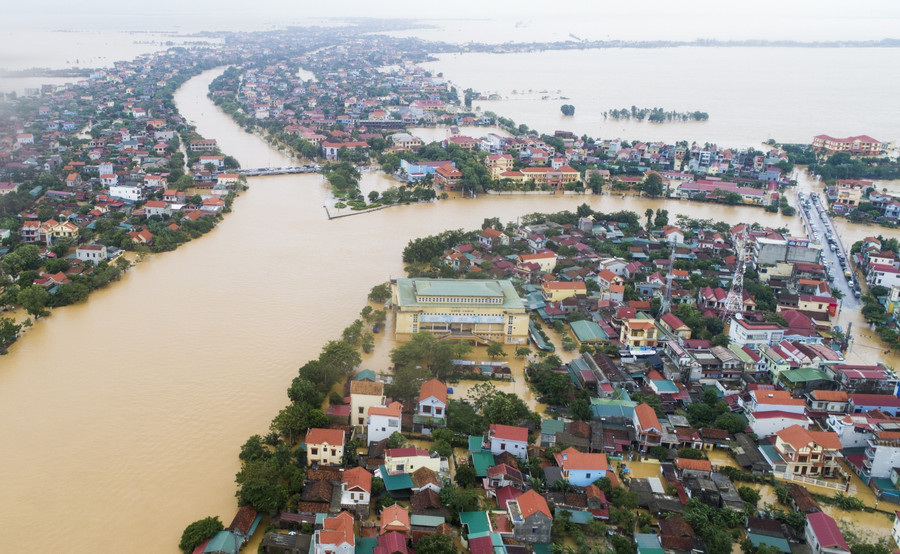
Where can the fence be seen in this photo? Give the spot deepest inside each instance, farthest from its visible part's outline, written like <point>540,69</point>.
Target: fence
<point>817,482</point>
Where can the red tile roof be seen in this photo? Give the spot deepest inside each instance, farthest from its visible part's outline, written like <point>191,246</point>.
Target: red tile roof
<point>508,432</point>
<point>433,388</point>
<point>325,436</point>
<point>826,531</point>
<point>358,478</point>
<point>531,503</point>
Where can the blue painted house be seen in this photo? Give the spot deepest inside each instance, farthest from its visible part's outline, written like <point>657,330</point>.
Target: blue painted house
<point>581,469</point>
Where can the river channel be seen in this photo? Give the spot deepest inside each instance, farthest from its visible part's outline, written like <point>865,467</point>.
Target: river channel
<point>123,416</point>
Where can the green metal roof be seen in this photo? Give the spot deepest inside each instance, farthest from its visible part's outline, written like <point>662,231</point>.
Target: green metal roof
<point>482,461</point>
<point>665,386</point>
<point>366,546</point>
<point>223,541</point>
<point>395,482</point>
<point>587,331</point>
<point>578,516</point>
<point>426,521</point>
<point>739,352</point>
<point>475,443</point>
<point>771,453</point>
<point>409,289</point>
<point>803,374</point>
<point>648,543</point>
<point>476,522</point>
<point>778,542</point>
<point>551,426</point>
<point>366,374</point>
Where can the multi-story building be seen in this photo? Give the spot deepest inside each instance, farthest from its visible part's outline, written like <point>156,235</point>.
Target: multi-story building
<point>408,460</point>
<point>336,535</point>
<point>480,310</point>
<point>364,394</point>
<point>862,145</point>
<point>746,333</point>
<point>506,438</point>
<point>648,431</point>
<point>384,421</point>
<point>802,452</point>
<point>531,518</point>
<point>882,452</point>
<point>324,447</point>
<point>638,333</point>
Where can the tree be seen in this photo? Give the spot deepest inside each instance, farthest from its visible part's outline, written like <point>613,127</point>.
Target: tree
<point>199,531</point>
<point>260,486</point>
<point>522,352</point>
<point>254,450</point>
<point>495,350</point>
<point>303,390</point>
<point>749,495</point>
<point>690,453</point>
<point>435,543</point>
<point>380,293</point>
<point>341,356</point>
<point>567,109</point>
<point>466,476</point>
<point>9,332</point>
<point>661,219</point>
<point>653,187</point>
<point>34,300</point>
<point>396,440</point>
<point>649,214</point>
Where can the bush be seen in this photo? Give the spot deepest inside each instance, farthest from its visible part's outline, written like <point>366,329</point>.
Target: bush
<point>199,531</point>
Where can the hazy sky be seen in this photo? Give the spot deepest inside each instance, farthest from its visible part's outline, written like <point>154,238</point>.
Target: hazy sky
<point>85,10</point>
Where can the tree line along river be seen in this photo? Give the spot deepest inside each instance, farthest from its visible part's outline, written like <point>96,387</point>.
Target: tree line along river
<point>124,415</point>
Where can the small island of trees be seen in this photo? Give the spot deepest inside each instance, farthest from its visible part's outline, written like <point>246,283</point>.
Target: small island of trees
<point>567,109</point>
<point>656,115</point>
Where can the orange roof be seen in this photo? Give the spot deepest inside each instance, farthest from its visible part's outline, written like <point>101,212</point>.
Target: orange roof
<point>531,503</point>
<point>338,530</point>
<point>573,459</point>
<point>617,288</point>
<point>831,395</point>
<point>647,417</point>
<point>781,397</point>
<point>508,432</point>
<point>640,324</point>
<point>798,437</point>
<point>394,517</point>
<point>325,436</point>
<point>541,256</point>
<point>433,388</point>
<point>698,465</point>
<point>358,478</point>
<point>395,409</point>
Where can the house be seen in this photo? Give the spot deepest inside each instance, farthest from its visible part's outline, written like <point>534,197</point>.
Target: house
<point>546,260</point>
<point>802,452</point>
<point>356,488</point>
<point>828,401</point>
<point>155,207</point>
<point>638,333</point>
<point>767,423</point>
<point>433,402</point>
<point>491,238</point>
<point>383,421</point>
<point>557,291</point>
<point>395,519</point>
<point>324,446</point>
<point>581,469</point>
<point>823,535</point>
<point>336,535</point>
<point>648,431</point>
<point>94,253</point>
<point>408,460</point>
<point>754,335</point>
<point>506,438</point>
<point>364,395</point>
<point>531,518</point>
<point>672,324</point>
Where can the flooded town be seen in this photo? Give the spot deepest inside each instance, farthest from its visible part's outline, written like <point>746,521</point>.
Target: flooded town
<point>295,291</point>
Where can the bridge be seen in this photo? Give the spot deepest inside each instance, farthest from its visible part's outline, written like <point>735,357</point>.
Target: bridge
<point>256,172</point>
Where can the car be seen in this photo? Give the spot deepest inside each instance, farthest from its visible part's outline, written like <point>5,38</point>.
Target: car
<point>857,294</point>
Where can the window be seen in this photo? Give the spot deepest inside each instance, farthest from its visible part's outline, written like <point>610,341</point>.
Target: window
<point>426,409</point>
<point>361,408</point>
<point>502,446</point>
<point>313,451</point>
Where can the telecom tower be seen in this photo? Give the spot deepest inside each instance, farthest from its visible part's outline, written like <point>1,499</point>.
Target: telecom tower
<point>665,305</point>
<point>734,302</point>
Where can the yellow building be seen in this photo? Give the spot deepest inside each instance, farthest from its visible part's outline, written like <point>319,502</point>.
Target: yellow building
<point>364,395</point>
<point>638,333</point>
<point>408,460</point>
<point>554,291</point>
<point>325,447</point>
<point>547,261</point>
<point>480,310</point>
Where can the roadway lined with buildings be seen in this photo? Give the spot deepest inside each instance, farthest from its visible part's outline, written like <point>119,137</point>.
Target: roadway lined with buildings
<point>834,256</point>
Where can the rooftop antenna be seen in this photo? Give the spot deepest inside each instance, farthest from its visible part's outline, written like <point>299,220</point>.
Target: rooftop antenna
<point>734,302</point>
